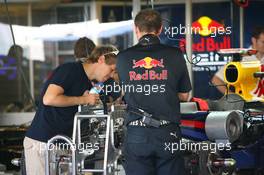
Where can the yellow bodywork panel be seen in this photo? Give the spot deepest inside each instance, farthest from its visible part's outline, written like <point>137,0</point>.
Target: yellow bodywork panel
<point>240,75</point>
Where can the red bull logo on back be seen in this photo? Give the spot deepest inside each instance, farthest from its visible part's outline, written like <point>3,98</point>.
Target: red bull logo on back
<point>148,63</point>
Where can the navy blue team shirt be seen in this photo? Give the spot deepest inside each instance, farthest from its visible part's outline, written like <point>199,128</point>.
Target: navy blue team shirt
<point>161,68</point>
<point>50,121</point>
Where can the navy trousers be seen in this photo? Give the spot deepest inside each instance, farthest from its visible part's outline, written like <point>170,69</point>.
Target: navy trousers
<point>152,151</point>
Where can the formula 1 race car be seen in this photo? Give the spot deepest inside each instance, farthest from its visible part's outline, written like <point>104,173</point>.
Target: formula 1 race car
<point>229,132</point>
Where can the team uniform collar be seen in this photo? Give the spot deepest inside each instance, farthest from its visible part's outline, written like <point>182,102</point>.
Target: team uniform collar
<point>149,39</point>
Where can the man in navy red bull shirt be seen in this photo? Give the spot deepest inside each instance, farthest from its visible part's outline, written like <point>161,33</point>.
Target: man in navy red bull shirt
<point>153,118</point>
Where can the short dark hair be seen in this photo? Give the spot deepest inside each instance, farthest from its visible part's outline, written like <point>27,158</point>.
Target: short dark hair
<point>83,47</point>
<point>148,20</point>
<point>258,31</point>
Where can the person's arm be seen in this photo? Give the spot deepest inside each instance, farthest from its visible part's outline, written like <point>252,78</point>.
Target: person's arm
<point>185,82</point>
<point>218,80</point>
<point>183,96</point>
<point>54,96</point>
<point>220,84</point>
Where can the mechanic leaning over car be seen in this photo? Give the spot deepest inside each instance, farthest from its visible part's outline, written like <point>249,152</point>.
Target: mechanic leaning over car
<point>67,87</point>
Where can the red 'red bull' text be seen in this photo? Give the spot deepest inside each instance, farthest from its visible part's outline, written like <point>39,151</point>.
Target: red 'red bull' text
<point>148,75</point>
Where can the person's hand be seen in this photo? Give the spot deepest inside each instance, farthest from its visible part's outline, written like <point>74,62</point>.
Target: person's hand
<point>91,99</point>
